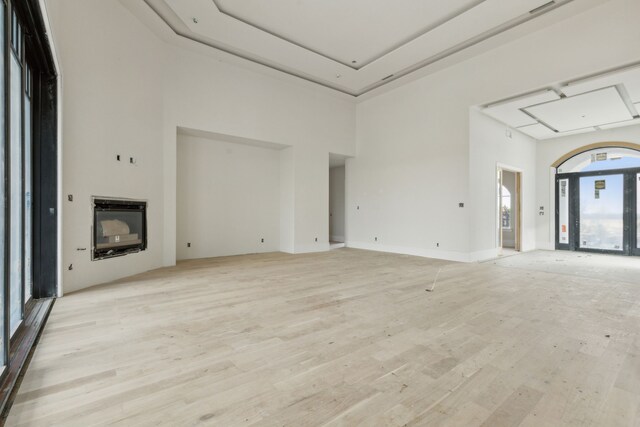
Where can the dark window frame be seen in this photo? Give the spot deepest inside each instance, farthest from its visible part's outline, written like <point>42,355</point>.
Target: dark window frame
<point>630,243</point>
<point>31,47</point>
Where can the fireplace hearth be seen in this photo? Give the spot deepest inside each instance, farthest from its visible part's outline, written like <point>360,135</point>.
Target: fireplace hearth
<point>119,227</point>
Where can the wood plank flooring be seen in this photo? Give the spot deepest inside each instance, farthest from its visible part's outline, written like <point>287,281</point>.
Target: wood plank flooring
<point>340,338</point>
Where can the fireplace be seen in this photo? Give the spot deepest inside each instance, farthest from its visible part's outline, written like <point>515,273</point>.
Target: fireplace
<point>119,227</point>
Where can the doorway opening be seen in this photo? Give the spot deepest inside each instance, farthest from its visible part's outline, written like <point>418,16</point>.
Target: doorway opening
<point>598,203</point>
<point>509,211</point>
<point>337,215</point>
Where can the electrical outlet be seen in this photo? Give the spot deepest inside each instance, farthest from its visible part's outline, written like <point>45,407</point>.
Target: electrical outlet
<point>461,205</point>
<point>437,245</point>
<point>70,267</point>
<point>70,197</point>
<point>375,238</point>
<point>262,240</point>
<point>316,239</point>
<point>118,157</point>
<point>189,244</point>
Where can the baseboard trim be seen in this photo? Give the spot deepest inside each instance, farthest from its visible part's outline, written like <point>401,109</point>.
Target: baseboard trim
<point>546,246</point>
<point>404,250</point>
<point>308,249</point>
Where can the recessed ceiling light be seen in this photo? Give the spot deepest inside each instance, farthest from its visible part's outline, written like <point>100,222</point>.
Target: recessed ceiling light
<point>195,20</point>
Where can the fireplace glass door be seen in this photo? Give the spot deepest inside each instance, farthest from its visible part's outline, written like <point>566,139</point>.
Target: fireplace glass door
<point>119,227</point>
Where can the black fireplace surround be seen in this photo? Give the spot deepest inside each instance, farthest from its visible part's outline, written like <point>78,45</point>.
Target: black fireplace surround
<point>119,227</point>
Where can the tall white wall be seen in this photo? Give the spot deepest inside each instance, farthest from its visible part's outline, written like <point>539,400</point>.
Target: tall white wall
<point>287,197</point>
<point>228,198</point>
<point>414,161</point>
<point>549,151</point>
<point>336,203</point>
<point>126,92</point>
<point>206,94</point>
<point>491,147</point>
<point>112,104</point>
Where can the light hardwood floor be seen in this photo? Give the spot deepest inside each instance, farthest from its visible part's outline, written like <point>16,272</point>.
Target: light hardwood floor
<point>345,337</point>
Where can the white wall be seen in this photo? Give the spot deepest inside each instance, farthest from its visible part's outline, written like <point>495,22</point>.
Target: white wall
<point>414,161</point>
<point>228,198</point>
<point>490,148</point>
<point>336,203</point>
<point>206,94</point>
<point>287,197</point>
<point>414,143</point>
<point>127,92</point>
<point>551,150</point>
<point>112,104</point>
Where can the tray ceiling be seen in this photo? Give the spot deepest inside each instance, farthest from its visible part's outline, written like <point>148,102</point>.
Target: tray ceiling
<point>601,102</point>
<point>362,31</point>
<point>352,46</point>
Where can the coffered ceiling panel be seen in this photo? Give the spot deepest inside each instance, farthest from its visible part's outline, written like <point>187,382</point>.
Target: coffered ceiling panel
<point>600,102</point>
<point>590,109</point>
<point>621,124</point>
<point>510,111</point>
<point>629,78</point>
<point>537,131</point>
<point>352,46</point>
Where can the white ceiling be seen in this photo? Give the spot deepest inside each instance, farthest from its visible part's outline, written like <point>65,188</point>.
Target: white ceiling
<point>597,108</point>
<point>362,31</point>
<point>320,40</point>
<point>600,102</point>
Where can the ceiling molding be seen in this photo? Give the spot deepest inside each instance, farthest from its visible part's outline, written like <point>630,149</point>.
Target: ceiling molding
<point>172,20</point>
<point>385,52</point>
<point>183,33</point>
<point>602,101</point>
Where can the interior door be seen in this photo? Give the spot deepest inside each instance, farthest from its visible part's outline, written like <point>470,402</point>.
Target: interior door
<point>601,213</point>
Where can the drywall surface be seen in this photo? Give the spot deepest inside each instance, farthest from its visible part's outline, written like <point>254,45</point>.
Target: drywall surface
<point>287,198</point>
<point>206,94</point>
<point>112,104</point>
<point>416,158</point>
<point>493,145</point>
<point>336,203</point>
<point>127,92</point>
<point>548,152</point>
<point>228,198</point>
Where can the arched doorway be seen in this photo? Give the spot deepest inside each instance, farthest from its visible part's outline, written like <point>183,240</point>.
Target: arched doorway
<point>597,203</point>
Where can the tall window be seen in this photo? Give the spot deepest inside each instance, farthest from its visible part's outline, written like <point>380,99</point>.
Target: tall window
<point>3,207</point>
<point>15,176</point>
<point>28,196</point>
<point>28,187</point>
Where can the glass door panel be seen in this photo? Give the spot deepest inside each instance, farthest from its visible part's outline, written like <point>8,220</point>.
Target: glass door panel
<point>28,184</point>
<point>3,206</point>
<point>602,212</point>
<point>563,211</point>
<point>16,196</point>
